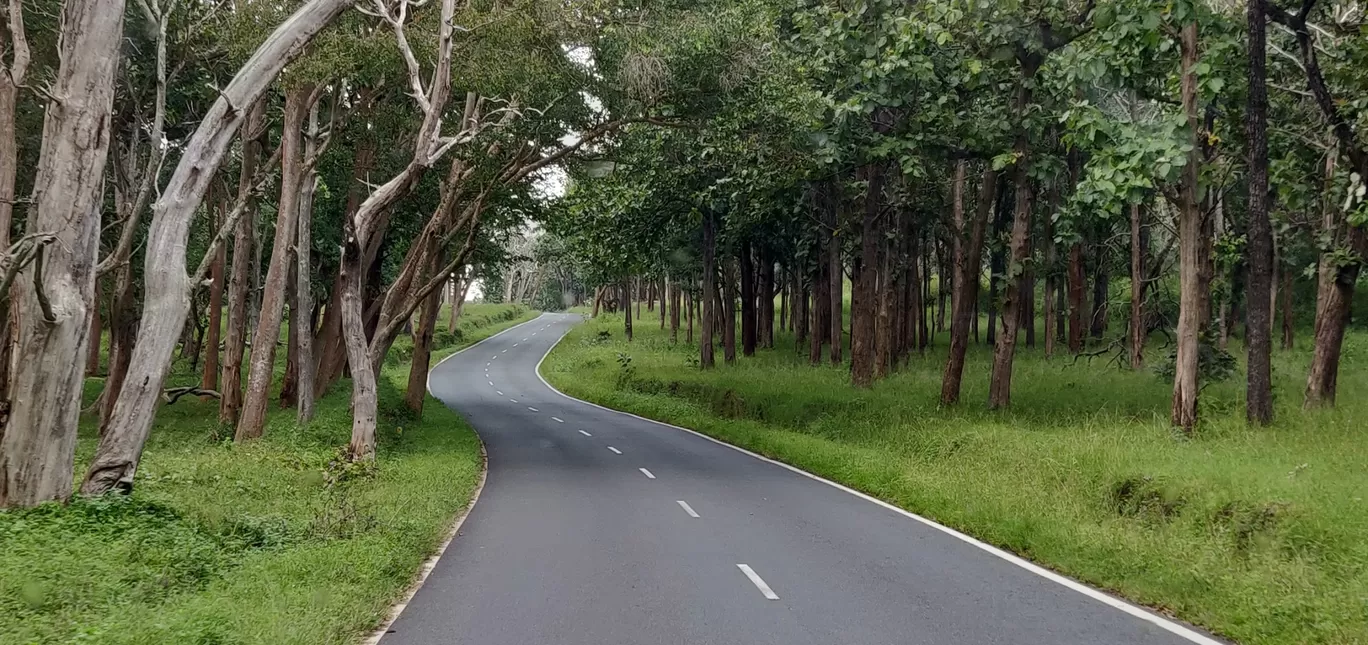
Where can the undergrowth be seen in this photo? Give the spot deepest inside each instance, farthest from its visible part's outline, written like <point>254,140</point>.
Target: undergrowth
<point>275,541</point>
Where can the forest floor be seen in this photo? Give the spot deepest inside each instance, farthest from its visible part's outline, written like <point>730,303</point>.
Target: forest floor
<point>1256,534</point>
<point>275,541</point>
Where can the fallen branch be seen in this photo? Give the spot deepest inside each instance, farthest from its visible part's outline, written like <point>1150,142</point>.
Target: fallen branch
<point>174,394</point>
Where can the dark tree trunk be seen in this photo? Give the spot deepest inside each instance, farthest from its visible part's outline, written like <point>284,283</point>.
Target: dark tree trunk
<point>968,260</point>
<point>92,350</point>
<point>709,296</point>
<point>1076,288</point>
<point>627,309</point>
<point>210,378</point>
<point>1050,303</point>
<point>765,315</point>
<point>416,393</point>
<point>835,277</point>
<point>729,313</point>
<point>675,294</point>
<point>1259,250</point>
<point>748,309</point>
<point>819,311</point>
<point>864,300</point>
<point>1004,353</point>
<point>1287,335</point>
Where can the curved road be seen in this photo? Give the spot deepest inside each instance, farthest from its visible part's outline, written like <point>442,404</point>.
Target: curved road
<point>599,528</point>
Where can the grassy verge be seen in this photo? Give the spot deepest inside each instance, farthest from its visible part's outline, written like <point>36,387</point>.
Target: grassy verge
<point>1258,534</point>
<point>274,541</point>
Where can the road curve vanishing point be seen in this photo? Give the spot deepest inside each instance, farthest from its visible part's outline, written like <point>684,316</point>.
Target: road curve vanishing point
<point>597,527</point>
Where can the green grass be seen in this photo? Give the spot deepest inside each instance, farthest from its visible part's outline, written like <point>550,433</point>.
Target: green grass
<point>270,542</point>
<point>1258,534</point>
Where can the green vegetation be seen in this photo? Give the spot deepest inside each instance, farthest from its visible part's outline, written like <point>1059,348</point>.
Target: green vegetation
<point>1256,533</point>
<point>279,540</point>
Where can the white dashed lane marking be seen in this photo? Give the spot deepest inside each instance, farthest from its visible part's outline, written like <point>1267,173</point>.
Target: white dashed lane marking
<point>585,433</point>
<point>533,409</point>
<point>615,450</point>
<point>647,473</point>
<point>758,581</point>
<point>687,509</point>
<point>558,419</point>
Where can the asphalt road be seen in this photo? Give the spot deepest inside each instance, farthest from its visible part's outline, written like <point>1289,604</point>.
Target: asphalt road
<point>600,528</point>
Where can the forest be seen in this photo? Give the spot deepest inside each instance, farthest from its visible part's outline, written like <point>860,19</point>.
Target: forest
<point>252,227</point>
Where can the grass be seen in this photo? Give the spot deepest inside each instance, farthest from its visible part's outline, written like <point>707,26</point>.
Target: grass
<point>274,541</point>
<point>1258,534</point>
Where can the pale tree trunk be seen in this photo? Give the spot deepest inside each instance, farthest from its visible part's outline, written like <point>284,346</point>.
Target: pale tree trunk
<point>1185,385</point>
<point>303,306</point>
<point>1004,354</point>
<point>240,280</point>
<point>38,446</point>
<point>365,402</point>
<point>1258,331</point>
<point>1137,272</point>
<point>968,261</point>
<point>267,333</point>
<point>167,284</point>
<point>12,75</point>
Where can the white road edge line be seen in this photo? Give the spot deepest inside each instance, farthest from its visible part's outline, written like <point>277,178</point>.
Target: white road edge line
<point>431,562</point>
<point>615,450</point>
<point>558,419</point>
<point>585,433</point>
<point>757,581</point>
<point>647,473</point>
<point>533,409</point>
<point>687,509</point>
<point>1165,624</point>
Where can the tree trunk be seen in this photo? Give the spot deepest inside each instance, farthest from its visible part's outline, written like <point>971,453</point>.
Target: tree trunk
<point>627,308</point>
<point>305,360</point>
<point>365,397</point>
<point>123,335</point>
<point>864,300</point>
<point>267,333</point>
<point>1185,385</point>
<point>209,380</point>
<point>1076,288</point>
<point>689,313</point>
<point>968,262</point>
<point>1258,330</point>
<point>1049,303</point>
<point>709,296</point>
<point>1098,321</point>
<point>1004,354</point>
<point>818,330</point>
<point>96,331</point>
<point>676,294</point>
<point>749,315</point>
<point>167,285</point>
<point>1287,335</point>
<point>1137,279</point>
<point>421,361</point>
<point>884,303</point>
<point>291,375</point>
<point>764,326</point>
<point>38,444</point>
<point>12,76</point>
<point>729,312</point>
<point>835,283</point>
<point>240,279</point>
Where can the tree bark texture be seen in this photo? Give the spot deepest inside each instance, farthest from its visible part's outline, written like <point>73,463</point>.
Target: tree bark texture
<point>1259,248</point>
<point>167,283</point>
<point>240,279</point>
<point>38,444</point>
<point>709,296</point>
<point>209,380</point>
<point>863,305</point>
<point>968,262</point>
<point>267,333</point>
<point>1137,279</point>
<point>1185,384</point>
<point>749,313</point>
